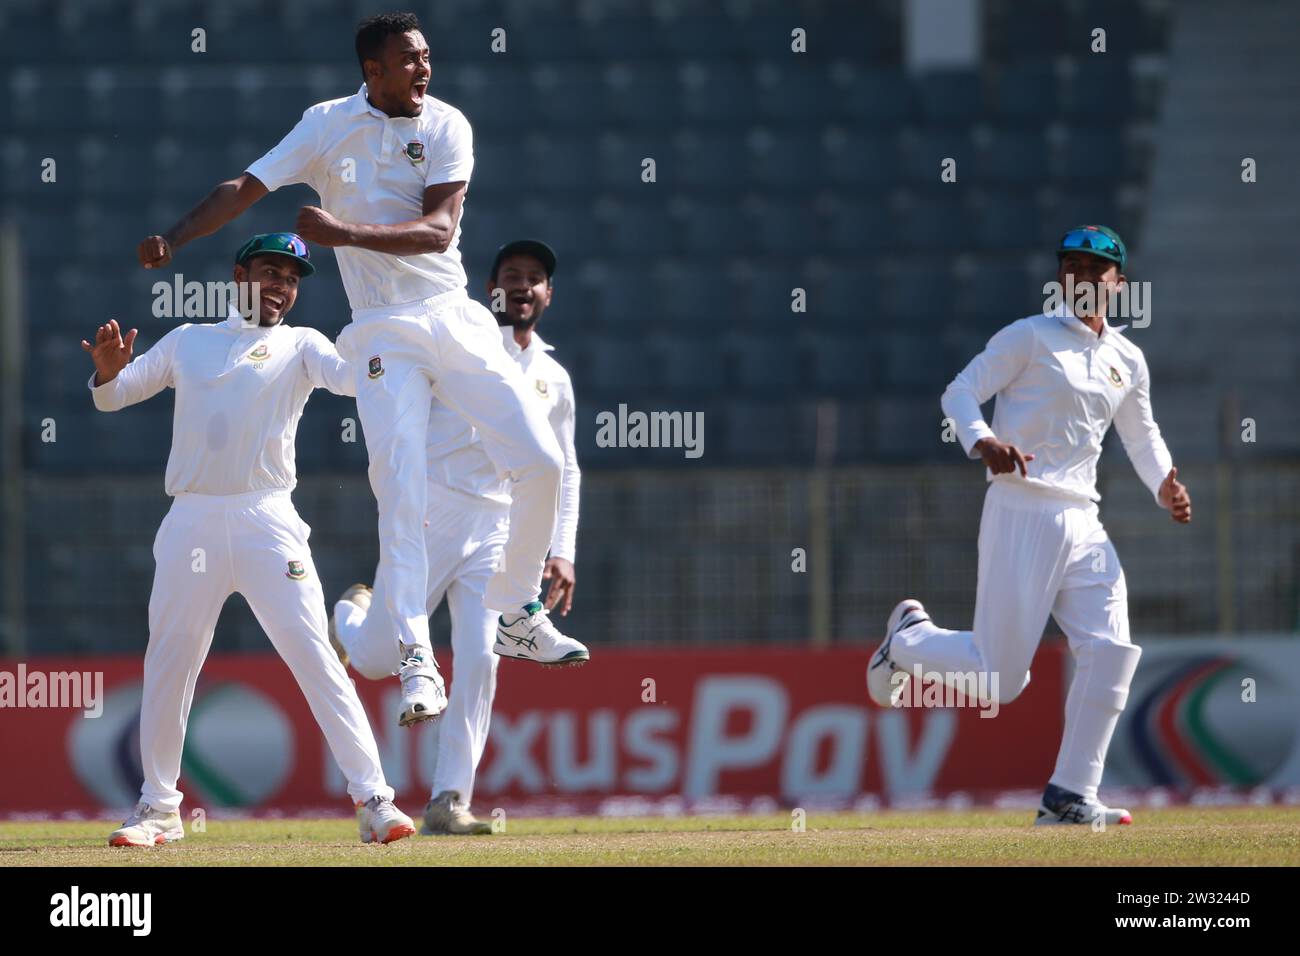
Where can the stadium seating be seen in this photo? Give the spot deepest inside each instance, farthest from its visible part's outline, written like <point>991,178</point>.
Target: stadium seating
<point>773,171</point>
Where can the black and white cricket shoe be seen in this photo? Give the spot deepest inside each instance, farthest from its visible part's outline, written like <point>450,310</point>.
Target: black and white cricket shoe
<point>881,685</point>
<point>1061,806</point>
<point>532,637</point>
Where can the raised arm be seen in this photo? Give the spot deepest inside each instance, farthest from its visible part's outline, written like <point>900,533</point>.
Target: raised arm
<point>292,160</point>
<point>118,381</point>
<point>226,202</point>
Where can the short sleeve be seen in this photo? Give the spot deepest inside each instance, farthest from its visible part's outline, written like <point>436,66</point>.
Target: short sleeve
<point>451,158</point>
<point>293,159</point>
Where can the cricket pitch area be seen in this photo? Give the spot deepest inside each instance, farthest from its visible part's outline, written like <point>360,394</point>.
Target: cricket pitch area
<point>1172,836</point>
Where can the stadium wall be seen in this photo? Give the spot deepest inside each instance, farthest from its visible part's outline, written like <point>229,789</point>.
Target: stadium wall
<point>663,728</point>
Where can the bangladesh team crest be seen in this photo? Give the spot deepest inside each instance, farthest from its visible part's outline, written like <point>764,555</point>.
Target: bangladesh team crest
<point>376,366</point>
<point>542,387</point>
<point>296,571</point>
<point>1115,378</point>
<point>260,354</point>
<point>415,152</point>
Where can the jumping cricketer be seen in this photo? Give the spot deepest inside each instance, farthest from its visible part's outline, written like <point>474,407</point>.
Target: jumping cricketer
<point>465,528</point>
<point>392,166</point>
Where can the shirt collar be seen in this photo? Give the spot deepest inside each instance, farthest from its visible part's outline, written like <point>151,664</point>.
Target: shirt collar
<point>1071,321</point>
<point>508,337</point>
<point>236,321</point>
<point>358,104</point>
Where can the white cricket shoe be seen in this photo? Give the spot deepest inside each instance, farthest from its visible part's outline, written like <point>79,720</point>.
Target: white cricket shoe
<point>148,827</point>
<point>424,696</point>
<point>447,815</point>
<point>1061,806</point>
<point>358,594</point>
<point>881,686</point>
<point>532,637</point>
<point>379,821</point>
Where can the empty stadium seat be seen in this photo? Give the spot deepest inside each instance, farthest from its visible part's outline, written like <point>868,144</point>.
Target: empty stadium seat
<point>1028,91</point>
<point>855,224</point>
<point>704,158</point>
<point>712,226</point>
<point>1013,157</point>
<point>783,225</point>
<point>938,220</point>
<point>690,365</point>
<point>1006,220</point>
<point>643,93</point>
<point>858,157</point>
<point>950,95</point>
<point>880,96</point>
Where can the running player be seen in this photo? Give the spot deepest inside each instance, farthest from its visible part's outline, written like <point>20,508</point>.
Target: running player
<point>240,388</point>
<point>465,530</point>
<point>1060,380</point>
<point>392,166</point>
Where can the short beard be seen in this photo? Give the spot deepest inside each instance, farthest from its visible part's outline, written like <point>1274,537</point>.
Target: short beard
<point>504,319</point>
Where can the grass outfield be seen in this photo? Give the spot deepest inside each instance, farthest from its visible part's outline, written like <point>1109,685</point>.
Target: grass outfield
<point>1174,836</point>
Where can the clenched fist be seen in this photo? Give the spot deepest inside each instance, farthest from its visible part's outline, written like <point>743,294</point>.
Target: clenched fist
<point>316,225</point>
<point>154,252</point>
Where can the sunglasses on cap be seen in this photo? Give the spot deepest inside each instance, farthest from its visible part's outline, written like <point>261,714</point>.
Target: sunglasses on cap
<point>1090,240</point>
<point>278,243</point>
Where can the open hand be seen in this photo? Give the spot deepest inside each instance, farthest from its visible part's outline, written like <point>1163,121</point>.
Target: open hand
<point>111,352</point>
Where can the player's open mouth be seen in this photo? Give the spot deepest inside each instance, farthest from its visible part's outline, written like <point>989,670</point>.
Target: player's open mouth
<point>273,300</point>
<point>418,88</point>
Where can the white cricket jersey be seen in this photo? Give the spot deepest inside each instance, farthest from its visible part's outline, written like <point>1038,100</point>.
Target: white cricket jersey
<point>368,167</point>
<point>239,394</point>
<point>458,460</point>
<point>1059,386</point>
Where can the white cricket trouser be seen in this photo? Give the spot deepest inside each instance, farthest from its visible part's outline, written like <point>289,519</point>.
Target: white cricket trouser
<point>448,347</point>
<point>464,538</point>
<point>207,548</point>
<point>1040,554</point>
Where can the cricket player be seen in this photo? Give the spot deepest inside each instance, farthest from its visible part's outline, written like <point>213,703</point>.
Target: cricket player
<point>465,528</point>
<point>240,388</point>
<point>392,165</point>
<point>1060,379</point>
